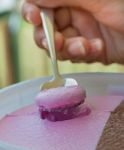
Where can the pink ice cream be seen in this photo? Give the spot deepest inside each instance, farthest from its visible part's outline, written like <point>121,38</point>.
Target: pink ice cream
<point>25,128</point>
<point>62,103</point>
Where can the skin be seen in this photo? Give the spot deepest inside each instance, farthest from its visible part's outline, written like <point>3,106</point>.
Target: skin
<point>85,30</point>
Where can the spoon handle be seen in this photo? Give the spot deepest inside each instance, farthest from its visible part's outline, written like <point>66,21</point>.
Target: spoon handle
<point>47,19</point>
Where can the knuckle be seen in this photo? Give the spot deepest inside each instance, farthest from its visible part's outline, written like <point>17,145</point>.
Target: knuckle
<point>76,60</point>
<point>60,57</point>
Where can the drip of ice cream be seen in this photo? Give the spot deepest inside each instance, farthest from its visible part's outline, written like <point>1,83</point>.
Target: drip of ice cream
<point>62,103</point>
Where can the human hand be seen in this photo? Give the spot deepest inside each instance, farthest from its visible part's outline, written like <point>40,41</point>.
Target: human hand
<point>87,31</point>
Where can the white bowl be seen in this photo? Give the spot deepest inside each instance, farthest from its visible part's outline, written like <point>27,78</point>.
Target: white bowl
<point>22,94</point>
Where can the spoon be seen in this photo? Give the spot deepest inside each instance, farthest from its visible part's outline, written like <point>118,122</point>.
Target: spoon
<point>58,80</point>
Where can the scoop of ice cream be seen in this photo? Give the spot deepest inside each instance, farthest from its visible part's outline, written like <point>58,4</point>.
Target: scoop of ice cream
<point>61,103</point>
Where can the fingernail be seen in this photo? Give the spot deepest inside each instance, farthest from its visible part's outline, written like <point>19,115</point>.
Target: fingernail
<point>96,45</point>
<point>44,43</point>
<point>28,18</point>
<point>77,49</point>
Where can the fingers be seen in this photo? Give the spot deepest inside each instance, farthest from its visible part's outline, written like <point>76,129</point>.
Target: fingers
<point>85,24</point>
<point>69,44</point>
<point>97,52</point>
<point>40,39</point>
<point>90,5</point>
<point>76,49</point>
<point>62,18</point>
<point>80,49</point>
<point>63,22</point>
<point>70,32</point>
<point>31,13</point>
<point>55,3</point>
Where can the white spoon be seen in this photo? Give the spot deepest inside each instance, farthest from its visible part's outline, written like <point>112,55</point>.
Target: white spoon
<point>58,80</point>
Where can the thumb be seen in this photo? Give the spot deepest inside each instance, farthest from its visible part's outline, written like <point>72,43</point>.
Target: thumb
<point>89,5</point>
<point>56,3</point>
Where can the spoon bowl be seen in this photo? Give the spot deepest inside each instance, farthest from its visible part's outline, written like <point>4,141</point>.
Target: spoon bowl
<point>59,82</point>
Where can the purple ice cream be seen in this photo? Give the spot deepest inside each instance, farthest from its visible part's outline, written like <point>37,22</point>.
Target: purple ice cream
<point>62,103</point>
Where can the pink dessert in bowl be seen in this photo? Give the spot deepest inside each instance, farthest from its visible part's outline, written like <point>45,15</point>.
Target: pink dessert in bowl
<point>62,103</point>
<point>102,129</point>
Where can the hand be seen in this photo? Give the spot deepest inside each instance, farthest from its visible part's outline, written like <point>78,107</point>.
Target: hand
<point>87,31</point>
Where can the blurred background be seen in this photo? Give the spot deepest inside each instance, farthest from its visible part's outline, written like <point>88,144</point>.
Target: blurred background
<point>21,59</point>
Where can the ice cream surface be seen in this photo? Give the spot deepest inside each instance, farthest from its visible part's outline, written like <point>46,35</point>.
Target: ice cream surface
<point>25,128</point>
